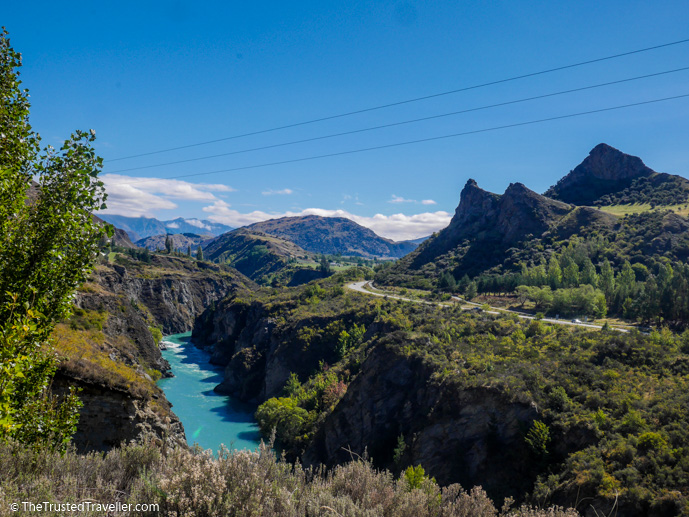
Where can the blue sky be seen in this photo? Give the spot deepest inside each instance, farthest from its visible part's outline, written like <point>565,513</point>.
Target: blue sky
<point>154,75</point>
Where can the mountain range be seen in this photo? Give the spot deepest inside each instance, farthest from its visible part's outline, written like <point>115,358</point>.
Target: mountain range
<point>141,227</point>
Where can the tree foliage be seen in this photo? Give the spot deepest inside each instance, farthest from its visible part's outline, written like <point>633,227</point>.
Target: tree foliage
<point>48,243</point>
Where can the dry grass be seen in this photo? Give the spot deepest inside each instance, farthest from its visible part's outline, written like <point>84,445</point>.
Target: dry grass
<point>637,208</point>
<point>192,483</point>
<point>88,357</point>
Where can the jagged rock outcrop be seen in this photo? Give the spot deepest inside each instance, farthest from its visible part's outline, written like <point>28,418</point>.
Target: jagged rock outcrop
<point>506,218</point>
<point>485,224</point>
<point>604,171</point>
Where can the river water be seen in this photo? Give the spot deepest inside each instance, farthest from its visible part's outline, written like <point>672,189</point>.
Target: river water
<point>209,419</point>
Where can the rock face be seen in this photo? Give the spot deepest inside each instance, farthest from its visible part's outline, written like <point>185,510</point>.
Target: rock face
<point>174,290</point>
<point>604,171</point>
<point>258,358</point>
<point>507,218</point>
<point>110,417</point>
<point>471,436</point>
<point>333,235</point>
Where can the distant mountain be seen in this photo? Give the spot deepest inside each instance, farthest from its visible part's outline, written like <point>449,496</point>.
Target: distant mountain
<point>609,177</point>
<point>418,241</point>
<point>120,237</point>
<point>333,235</point>
<point>263,258</point>
<point>180,241</point>
<point>141,227</point>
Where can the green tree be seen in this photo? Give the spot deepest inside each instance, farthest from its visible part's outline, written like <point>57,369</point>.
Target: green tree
<point>570,275</point>
<point>282,415</point>
<point>48,244</point>
<point>168,243</point>
<point>554,273</point>
<point>472,291</point>
<point>607,280</point>
<point>588,274</point>
<point>447,282</point>
<point>399,451</point>
<point>189,250</point>
<point>538,438</point>
<point>199,253</point>
<point>325,265</point>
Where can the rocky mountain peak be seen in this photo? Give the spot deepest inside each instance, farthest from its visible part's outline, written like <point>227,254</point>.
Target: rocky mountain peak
<point>606,162</point>
<point>507,217</point>
<point>604,171</point>
<point>475,205</point>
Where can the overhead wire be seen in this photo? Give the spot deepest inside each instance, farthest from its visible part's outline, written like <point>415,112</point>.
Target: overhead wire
<point>410,142</point>
<point>407,101</point>
<point>400,123</point>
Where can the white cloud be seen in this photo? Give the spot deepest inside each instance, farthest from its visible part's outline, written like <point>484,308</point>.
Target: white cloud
<point>428,202</point>
<point>127,200</point>
<point>395,226</point>
<point>198,224</point>
<point>135,197</point>
<point>172,225</point>
<point>400,199</point>
<point>283,192</point>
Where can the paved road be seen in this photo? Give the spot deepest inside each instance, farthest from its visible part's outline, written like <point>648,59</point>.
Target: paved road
<point>359,287</point>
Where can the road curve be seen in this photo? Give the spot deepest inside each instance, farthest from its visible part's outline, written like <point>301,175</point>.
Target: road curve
<point>359,288</point>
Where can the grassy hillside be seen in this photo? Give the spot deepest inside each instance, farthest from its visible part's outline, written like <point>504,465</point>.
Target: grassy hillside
<point>639,208</point>
<point>264,258</point>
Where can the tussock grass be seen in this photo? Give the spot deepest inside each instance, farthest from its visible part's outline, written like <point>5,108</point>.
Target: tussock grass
<point>87,357</point>
<point>194,483</point>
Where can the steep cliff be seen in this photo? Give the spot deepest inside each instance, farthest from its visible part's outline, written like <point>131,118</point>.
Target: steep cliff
<point>259,349</point>
<point>111,354</point>
<point>111,416</point>
<point>174,290</point>
<point>456,434</point>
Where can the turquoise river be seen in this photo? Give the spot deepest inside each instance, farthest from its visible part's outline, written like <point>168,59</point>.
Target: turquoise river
<point>209,419</point>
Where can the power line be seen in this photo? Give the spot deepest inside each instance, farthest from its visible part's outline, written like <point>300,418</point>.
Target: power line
<point>410,142</point>
<point>393,124</point>
<point>408,101</point>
